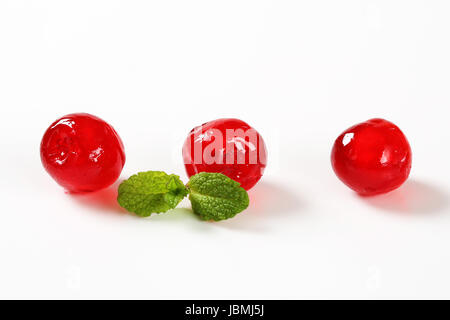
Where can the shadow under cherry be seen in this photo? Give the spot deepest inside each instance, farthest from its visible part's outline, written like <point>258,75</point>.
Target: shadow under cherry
<point>268,202</point>
<point>414,197</point>
<point>104,200</point>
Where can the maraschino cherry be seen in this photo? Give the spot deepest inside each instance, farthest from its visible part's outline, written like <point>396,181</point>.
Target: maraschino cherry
<point>372,157</point>
<point>82,152</point>
<point>228,146</point>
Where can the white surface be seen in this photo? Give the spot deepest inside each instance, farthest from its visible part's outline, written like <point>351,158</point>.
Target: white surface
<point>300,72</point>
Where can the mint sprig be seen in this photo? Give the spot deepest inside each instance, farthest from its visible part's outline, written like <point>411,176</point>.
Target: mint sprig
<point>151,192</point>
<point>213,196</point>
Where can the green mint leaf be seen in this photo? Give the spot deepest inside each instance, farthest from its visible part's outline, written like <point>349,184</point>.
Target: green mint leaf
<point>214,196</point>
<point>151,192</point>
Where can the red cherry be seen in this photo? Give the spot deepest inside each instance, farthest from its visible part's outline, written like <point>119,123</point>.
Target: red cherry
<point>82,152</point>
<point>372,157</point>
<point>227,146</point>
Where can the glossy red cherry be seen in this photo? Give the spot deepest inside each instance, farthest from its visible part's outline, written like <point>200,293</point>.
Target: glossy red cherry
<point>82,152</point>
<point>227,146</point>
<point>372,157</point>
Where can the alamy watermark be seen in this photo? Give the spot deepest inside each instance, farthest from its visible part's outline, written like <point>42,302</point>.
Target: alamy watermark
<point>220,149</point>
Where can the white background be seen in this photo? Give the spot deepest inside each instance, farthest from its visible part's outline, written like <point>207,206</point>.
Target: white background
<point>300,72</point>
